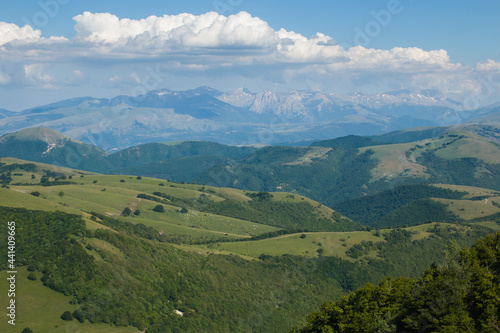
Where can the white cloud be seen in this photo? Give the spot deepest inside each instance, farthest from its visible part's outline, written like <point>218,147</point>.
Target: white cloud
<point>35,73</point>
<point>184,30</point>
<point>10,32</point>
<point>211,44</point>
<point>489,65</point>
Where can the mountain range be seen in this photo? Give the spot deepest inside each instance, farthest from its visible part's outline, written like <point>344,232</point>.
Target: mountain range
<point>240,117</point>
<point>341,173</point>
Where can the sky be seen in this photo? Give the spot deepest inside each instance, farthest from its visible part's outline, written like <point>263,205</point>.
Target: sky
<point>52,50</point>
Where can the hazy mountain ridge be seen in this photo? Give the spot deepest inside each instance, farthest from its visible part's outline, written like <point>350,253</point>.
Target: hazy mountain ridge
<point>238,117</point>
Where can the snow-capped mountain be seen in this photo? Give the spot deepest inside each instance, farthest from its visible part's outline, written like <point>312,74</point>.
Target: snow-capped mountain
<point>237,117</point>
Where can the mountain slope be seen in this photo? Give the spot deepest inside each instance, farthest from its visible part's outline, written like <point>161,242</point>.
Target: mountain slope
<point>461,296</point>
<point>238,117</point>
<point>47,146</point>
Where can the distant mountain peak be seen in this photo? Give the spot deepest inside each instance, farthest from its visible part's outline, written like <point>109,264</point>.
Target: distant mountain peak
<point>44,134</point>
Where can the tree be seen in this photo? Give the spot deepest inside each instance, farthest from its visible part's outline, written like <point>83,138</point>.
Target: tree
<point>126,211</point>
<point>61,193</point>
<point>35,193</point>
<point>139,178</point>
<point>184,210</point>
<point>79,315</point>
<point>137,212</point>
<point>27,330</point>
<point>159,209</point>
<point>32,276</point>
<point>67,316</point>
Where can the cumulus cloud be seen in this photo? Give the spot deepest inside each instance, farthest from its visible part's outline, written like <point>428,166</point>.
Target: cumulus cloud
<point>238,44</point>
<point>489,65</point>
<point>209,30</point>
<point>10,32</point>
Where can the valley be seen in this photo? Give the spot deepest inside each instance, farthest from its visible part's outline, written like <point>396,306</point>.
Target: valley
<point>210,234</point>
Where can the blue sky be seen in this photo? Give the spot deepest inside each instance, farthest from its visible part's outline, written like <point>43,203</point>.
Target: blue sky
<point>367,46</point>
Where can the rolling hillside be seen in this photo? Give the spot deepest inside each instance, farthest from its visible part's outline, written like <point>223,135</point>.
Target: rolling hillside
<point>123,261</point>
<point>332,172</point>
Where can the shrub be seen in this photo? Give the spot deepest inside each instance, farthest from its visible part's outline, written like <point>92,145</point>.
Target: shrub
<point>35,194</point>
<point>67,316</point>
<point>32,276</point>
<point>126,211</point>
<point>159,209</point>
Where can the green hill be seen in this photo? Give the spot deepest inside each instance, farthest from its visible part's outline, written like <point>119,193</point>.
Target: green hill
<point>461,296</point>
<point>227,259</point>
<point>47,146</point>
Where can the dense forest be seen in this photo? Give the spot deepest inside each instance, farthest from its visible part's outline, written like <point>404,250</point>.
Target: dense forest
<point>388,208</point>
<point>142,281</point>
<point>460,296</point>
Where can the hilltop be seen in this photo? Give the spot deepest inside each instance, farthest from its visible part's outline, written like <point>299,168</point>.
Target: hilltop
<point>241,249</point>
<point>239,117</point>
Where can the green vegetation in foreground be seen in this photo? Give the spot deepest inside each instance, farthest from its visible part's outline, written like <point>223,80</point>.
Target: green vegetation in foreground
<point>40,308</point>
<point>461,296</point>
<point>126,278</point>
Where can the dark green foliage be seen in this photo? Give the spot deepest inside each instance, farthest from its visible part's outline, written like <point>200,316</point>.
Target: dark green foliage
<point>67,153</point>
<point>463,171</point>
<point>32,276</point>
<point>126,211</point>
<point>262,209</point>
<point>139,178</point>
<point>417,212</point>
<point>461,296</point>
<point>27,330</point>
<point>137,212</point>
<point>184,210</point>
<point>371,209</point>
<point>28,167</point>
<point>405,136</point>
<point>216,292</point>
<point>338,176</point>
<point>159,209</point>
<point>67,316</point>
<point>348,142</point>
<point>261,196</point>
<point>61,193</point>
<point>5,178</point>
<point>79,315</point>
<point>35,193</point>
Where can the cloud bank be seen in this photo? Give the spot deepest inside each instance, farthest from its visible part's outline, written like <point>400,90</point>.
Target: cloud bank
<point>210,43</point>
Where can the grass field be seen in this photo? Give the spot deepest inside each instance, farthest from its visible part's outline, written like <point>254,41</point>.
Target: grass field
<point>393,161</point>
<point>40,308</point>
<point>400,159</point>
<point>333,243</point>
<point>110,195</point>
